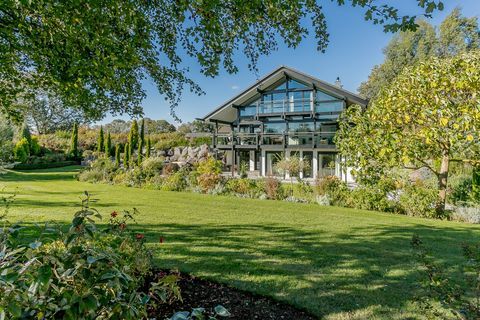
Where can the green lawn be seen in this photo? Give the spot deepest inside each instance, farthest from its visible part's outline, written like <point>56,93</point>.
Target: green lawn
<point>337,263</point>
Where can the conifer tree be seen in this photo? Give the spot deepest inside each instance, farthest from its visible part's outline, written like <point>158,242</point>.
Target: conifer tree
<point>117,156</point>
<point>149,146</point>
<point>100,141</point>
<point>139,155</point>
<point>142,132</point>
<point>133,136</point>
<point>126,151</point>
<point>74,142</point>
<point>108,145</point>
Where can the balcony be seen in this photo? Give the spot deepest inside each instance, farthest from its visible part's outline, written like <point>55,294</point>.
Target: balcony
<point>282,107</point>
<point>292,139</point>
<point>285,106</point>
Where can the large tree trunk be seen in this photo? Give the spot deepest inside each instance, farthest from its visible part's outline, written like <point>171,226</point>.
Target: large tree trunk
<point>442,184</point>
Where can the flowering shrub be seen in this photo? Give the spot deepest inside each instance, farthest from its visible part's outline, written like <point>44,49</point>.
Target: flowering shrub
<point>336,190</point>
<point>273,188</point>
<point>209,172</point>
<point>80,274</point>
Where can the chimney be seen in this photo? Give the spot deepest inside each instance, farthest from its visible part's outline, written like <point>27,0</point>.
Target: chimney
<point>338,83</point>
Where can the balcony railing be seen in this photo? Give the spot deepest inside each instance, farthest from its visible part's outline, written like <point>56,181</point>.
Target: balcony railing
<point>306,139</point>
<point>285,106</point>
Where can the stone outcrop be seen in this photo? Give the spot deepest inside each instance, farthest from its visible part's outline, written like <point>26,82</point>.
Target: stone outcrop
<point>184,155</point>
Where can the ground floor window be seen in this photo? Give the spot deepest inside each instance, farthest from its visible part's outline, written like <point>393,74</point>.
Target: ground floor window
<point>272,157</point>
<point>326,164</point>
<point>308,159</point>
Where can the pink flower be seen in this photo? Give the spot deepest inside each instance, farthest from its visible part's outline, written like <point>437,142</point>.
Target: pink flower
<point>114,214</point>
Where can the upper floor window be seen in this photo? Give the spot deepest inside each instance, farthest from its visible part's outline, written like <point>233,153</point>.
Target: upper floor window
<point>293,84</point>
<point>322,96</point>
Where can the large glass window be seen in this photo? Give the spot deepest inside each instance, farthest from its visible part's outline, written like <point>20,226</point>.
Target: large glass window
<point>248,111</point>
<point>271,160</point>
<point>293,84</point>
<point>299,101</point>
<point>322,96</point>
<point>274,127</point>
<point>300,126</point>
<point>325,134</point>
<point>326,164</point>
<point>332,106</point>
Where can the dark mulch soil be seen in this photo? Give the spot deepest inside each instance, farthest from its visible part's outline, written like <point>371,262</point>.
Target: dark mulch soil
<point>241,304</point>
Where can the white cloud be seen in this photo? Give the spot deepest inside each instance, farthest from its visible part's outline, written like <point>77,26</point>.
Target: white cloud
<point>235,87</point>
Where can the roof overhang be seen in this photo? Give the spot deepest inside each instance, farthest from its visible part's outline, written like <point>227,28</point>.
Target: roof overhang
<point>227,112</point>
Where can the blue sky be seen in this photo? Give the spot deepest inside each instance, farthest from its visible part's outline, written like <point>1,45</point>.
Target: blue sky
<point>355,47</point>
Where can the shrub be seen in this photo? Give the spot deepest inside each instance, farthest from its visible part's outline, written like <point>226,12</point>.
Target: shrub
<point>469,214</point>
<point>154,182</point>
<point>273,188</point>
<point>370,198</point>
<point>244,187</point>
<point>81,274</point>
<point>336,190</point>
<point>170,168</point>
<point>209,171</point>
<point>21,150</point>
<point>35,148</point>
<point>419,200</point>
<point>460,188</point>
<point>100,170</point>
<point>175,182</point>
<point>130,178</point>
<point>152,166</point>
<point>442,296</point>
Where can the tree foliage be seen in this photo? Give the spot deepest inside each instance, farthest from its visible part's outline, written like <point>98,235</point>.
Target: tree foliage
<point>47,114</point>
<point>93,55</point>
<point>430,112</point>
<point>133,136</point>
<point>74,142</point>
<point>456,34</point>
<point>101,140</point>
<point>108,145</point>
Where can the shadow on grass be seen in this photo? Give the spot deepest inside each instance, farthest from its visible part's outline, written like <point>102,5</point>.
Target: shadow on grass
<point>323,274</point>
<point>40,175</point>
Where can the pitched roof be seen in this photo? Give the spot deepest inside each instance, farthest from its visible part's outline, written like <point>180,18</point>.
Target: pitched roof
<point>226,111</point>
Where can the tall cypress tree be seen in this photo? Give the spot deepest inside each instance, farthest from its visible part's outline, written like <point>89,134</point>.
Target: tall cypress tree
<point>108,145</point>
<point>117,155</point>
<point>126,151</point>
<point>25,133</point>
<point>139,155</point>
<point>142,132</point>
<point>74,142</point>
<point>149,146</point>
<point>101,140</point>
<point>476,184</point>
<point>133,136</point>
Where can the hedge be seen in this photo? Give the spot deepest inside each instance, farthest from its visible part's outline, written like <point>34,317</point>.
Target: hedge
<point>34,166</point>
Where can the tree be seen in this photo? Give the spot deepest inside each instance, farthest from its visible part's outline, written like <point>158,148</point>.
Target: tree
<point>139,153</point>
<point>126,155</point>
<point>74,142</point>
<point>108,145</point>
<point>117,156</point>
<point>456,34</point>
<point>93,55</point>
<point>133,136</point>
<point>100,141</point>
<point>25,133</point>
<point>142,132</point>
<point>47,114</point>
<point>149,146</point>
<point>196,126</point>
<point>292,166</point>
<point>429,113</point>
<point>158,126</point>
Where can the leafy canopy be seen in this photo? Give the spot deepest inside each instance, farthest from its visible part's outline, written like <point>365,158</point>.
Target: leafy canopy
<point>455,35</point>
<point>94,55</point>
<point>431,111</point>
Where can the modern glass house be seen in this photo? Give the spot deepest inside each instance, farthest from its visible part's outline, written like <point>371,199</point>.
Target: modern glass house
<point>284,113</point>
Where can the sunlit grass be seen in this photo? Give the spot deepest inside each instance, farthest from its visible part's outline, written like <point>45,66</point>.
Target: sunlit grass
<point>337,263</point>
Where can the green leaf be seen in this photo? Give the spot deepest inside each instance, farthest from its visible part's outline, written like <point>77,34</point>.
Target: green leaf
<point>44,274</point>
<point>221,311</point>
